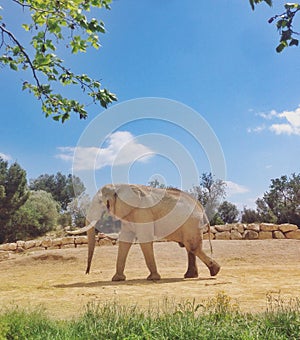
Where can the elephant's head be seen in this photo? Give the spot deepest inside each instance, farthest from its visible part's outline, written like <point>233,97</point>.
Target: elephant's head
<point>121,199</point>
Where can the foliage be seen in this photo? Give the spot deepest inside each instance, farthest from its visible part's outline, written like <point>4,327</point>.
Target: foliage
<point>218,318</point>
<point>49,24</point>
<point>250,216</point>
<point>13,194</point>
<point>284,23</point>
<point>209,193</point>
<point>63,188</point>
<point>281,204</point>
<point>36,217</point>
<point>282,200</point>
<point>78,208</point>
<point>228,212</point>
<point>107,224</point>
<point>156,184</point>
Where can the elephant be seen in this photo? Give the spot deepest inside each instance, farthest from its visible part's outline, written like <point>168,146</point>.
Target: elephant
<point>147,214</point>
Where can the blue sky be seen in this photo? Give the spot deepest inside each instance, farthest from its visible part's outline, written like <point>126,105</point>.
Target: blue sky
<point>217,59</point>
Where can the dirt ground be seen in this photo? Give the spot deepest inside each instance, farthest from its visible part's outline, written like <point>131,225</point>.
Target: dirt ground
<point>55,279</point>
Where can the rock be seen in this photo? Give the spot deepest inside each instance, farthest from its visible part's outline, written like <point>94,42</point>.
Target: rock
<point>29,244</point>
<point>46,243</point>
<point>67,240</point>
<point>239,227</point>
<point>278,234</point>
<point>104,242</point>
<point>81,240</point>
<point>295,234</point>
<point>205,228</point>
<point>224,235</point>
<point>38,243</point>
<point>206,236</point>
<point>287,227</point>
<point>268,227</point>
<point>12,246</point>
<point>21,244</point>
<point>265,235</point>
<point>250,235</point>
<point>213,230</point>
<point>221,228</point>
<point>57,242</point>
<point>235,235</point>
<point>253,226</point>
<point>4,247</point>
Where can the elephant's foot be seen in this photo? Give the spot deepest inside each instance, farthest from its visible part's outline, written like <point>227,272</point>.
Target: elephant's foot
<point>214,268</point>
<point>191,273</point>
<point>118,277</point>
<point>153,277</point>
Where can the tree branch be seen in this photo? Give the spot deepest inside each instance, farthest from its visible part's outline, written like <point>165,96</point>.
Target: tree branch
<point>22,49</point>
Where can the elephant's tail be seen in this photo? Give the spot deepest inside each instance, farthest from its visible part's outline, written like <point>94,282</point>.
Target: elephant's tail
<point>209,239</point>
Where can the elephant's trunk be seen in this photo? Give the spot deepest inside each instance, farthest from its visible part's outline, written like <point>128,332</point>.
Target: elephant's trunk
<point>91,247</point>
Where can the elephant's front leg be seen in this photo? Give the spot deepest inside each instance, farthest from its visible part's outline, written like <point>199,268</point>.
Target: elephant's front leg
<point>192,270</point>
<point>121,260</point>
<point>147,249</point>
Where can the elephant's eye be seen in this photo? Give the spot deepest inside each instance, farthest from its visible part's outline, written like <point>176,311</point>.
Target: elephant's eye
<point>107,204</point>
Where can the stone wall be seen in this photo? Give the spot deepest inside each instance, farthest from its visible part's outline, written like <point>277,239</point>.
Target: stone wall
<point>254,231</point>
<point>55,243</point>
<point>237,231</point>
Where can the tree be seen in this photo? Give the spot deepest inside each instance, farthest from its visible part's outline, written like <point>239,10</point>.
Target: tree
<point>228,212</point>
<point>35,218</point>
<point>284,23</point>
<point>63,188</point>
<point>156,184</point>
<point>51,24</point>
<point>13,194</point>
<point>282,201</point>
<point>78,209</point>
<point>250,216</point>
<point>209,193</point>
<point>281,204</point>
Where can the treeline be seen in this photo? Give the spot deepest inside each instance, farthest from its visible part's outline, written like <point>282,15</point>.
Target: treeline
<point>280,204</point>
<point>31,210</point>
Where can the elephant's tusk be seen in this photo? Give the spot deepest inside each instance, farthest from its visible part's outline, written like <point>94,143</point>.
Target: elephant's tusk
<point>83,230</point>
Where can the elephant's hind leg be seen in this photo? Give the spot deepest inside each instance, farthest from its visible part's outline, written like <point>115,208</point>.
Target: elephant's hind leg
<point>212,265</point>
<point>192,271</point>
<point>147,249</point>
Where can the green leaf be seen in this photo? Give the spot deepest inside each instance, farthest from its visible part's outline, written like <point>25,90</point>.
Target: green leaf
<point>281,47</point>
<point>13,66</point>
<point>294,42</point>
<point>291,5</point>
<point>26,27</point>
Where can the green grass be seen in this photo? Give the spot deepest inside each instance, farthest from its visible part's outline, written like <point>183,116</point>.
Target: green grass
<point>218,318</point>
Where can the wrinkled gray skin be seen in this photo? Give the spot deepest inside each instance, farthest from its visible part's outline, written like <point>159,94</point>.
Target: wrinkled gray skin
<point>189,234</point>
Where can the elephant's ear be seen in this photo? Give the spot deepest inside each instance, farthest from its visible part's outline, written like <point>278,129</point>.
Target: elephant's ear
<point>129,194</point>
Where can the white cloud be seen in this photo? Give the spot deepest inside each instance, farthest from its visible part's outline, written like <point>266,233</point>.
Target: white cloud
<point>122,148</point>
<point>5,157</point>
<point>288,122</point>
<point>291,126</point>
<point>269,115</point>
<point>234,188</point>
<point>257,129</point>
